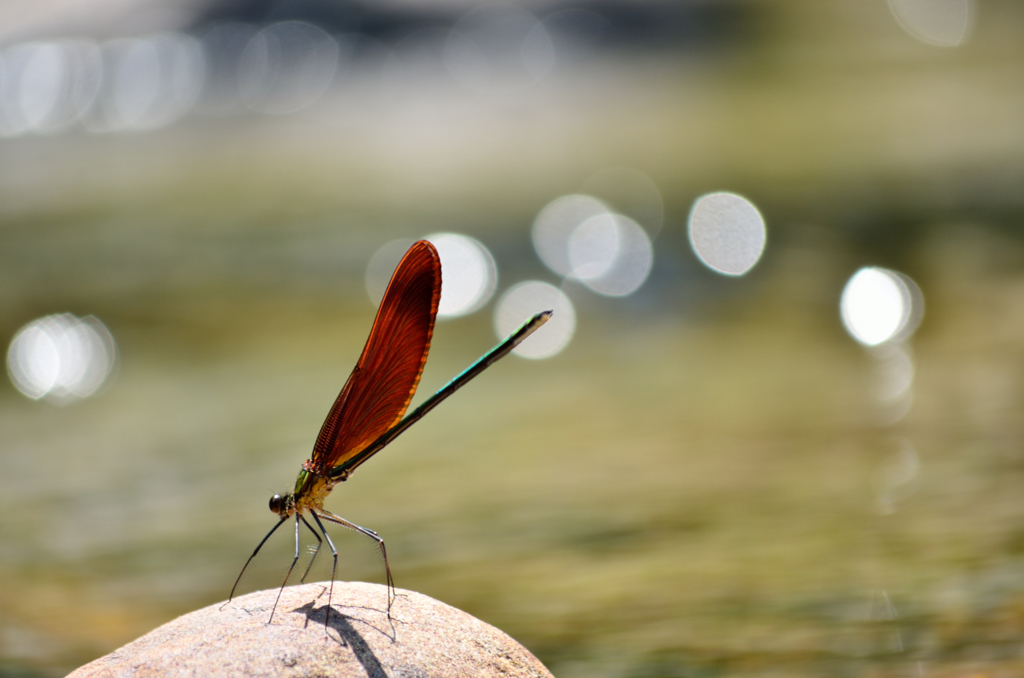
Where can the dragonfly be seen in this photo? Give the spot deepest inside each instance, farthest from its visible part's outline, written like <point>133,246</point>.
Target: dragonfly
<point>368,413</point>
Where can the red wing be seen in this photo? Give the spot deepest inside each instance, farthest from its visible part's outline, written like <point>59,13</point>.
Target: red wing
<point>384,380</point>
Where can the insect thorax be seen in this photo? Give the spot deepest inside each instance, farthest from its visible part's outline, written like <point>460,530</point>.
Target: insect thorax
<point>311,488</point>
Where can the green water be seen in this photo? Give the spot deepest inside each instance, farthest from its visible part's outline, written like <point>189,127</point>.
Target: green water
<point>673,495</point>
<point>702,484</point>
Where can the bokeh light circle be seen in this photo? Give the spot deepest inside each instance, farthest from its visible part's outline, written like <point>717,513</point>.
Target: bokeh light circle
<point>554,225</point>
<point>223,47</point>
<point>45,86</point>
<point>629,192</point>
<point>147,82</point>
<point>894,367</point>
<point>381,265</point>
<point>611,254</point>
<point>943,23</point>
<point>878,305</point>
<point>468,274</point>
<point>498,48</point>
<point>286,67</point>
<point>593,246</point>
<point>61,357</point>
<point>42,82</point>
<point>727,232</point>
<point>521,302</point>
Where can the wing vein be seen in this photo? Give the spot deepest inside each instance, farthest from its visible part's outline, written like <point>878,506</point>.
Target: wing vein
<point>384,380</point>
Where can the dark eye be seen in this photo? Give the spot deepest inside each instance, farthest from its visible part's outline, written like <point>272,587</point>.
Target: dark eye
<point>276,503</point>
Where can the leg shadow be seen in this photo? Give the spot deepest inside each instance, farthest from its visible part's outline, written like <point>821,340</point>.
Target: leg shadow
<point>348,635</point>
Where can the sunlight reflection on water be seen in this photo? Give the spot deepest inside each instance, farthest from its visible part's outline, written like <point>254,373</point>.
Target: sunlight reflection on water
<point>46,86</point>
<point>522,301</point>
<point>381,265</point>
<point>61,358</point>
<point>611,254</point>
<point>580,236</point>
<point>555,224</point>
<point>468,274</point>
<point>147,83</point>
<point>498,48</point>
<point>943,23</point>
<point>286,67</point>
<point>879,305</point>
<point>727,233</point>
<point>881,309</point>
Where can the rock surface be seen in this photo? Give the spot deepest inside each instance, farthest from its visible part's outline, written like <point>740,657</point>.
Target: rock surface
<point>424,638</point>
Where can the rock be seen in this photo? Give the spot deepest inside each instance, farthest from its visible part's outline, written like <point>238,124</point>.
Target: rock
<point>423,638</point>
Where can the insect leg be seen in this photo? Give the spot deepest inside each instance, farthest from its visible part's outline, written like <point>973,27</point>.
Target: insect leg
<point>327,515</point>
<point>264,541</point>
<point>289,573</point>
<point>334,569</point>
<point>319,543</point>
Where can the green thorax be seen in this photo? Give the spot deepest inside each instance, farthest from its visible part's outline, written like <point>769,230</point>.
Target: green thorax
<point>311,489</point>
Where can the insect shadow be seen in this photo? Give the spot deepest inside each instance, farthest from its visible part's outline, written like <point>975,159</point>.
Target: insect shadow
<point>348,635</point>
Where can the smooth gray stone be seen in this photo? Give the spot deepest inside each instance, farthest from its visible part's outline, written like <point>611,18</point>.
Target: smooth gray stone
<point>423,638</point>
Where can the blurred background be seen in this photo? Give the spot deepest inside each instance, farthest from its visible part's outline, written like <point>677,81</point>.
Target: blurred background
<point>773,430</point>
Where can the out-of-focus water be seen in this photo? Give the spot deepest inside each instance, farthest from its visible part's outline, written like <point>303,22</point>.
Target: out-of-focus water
<point>674,494</point>
<point>704,475</point>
